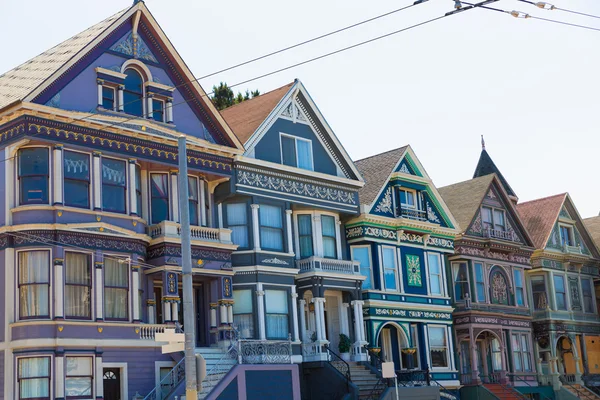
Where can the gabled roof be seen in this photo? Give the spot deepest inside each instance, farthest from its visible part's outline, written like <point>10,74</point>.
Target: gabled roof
<point>376,170</point>
<point>593,227</point>
<point>19,82</point>
<point>539,216</point>
<point>464,198</point>
<point>486,166</point>
<point>245,117</point>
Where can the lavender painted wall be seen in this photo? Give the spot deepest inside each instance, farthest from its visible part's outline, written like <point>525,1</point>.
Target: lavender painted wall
<point>140,366</point>
<point>81,94</point>
<point>1,375</point>
<point>2,194</point>
<point>3,299</point>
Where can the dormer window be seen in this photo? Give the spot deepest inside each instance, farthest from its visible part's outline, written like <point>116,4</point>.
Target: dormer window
<point>158,110</point>
<point>296,152</point>
<point>566,236</point>
<point>408,198</point>
<point>134,93</point>
<point>109,98</point>
<point>493,219</point>
<point>411,204</point>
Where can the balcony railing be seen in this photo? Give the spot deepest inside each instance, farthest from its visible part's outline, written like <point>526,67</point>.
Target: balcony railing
<point>572,249</point>
<point>265,351</point>
<point>411,213</point>
<point>173,230</point>
<point>149,331</point>
<point>501,234</point>
<point>312,264</point>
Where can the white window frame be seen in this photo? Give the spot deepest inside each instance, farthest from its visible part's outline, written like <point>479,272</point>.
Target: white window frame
<point>523,286</point>
<point>146,76</point>
<point>566,292</point>
<point>164,108</point>
<point>571,235</point>
<point>129,288</point>
<point>441,274</point>
<point>368,247</point>
<point>91,182</point>
<point>296,139</point>
<point>198,210</point>
<point>115,96</point>
<point>317,233</point>
<point>51,311</point>
<point>383,268</point>
<point>448,361</point>
<point>415,197</point>
<point>494,225</point>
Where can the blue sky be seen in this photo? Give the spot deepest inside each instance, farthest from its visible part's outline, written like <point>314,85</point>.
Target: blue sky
<point>531,87</point>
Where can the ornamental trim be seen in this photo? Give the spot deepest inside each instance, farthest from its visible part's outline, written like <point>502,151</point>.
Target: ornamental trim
<point>385,205</point>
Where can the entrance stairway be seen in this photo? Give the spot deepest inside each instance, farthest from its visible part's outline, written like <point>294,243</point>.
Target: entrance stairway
<point>581,391</point>
<point>503,392</point>
<point>367,382</point>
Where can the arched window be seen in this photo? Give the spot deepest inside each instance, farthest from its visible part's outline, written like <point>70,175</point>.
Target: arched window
<point>499,288</point>
<point>133,96</point>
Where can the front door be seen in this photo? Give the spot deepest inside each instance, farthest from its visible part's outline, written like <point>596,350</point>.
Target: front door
<point>112,383</point>
<point>333,322</point>
<point>202,321</point>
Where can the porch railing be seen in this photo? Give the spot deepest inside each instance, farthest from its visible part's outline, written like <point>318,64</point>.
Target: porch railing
<point>265,351</point>
<point>149,331</point>
<point>202,233</point>
<point>169,383</point>
<point>221,367</point>
<point>494,377</point>
<point>500,234</point>
<point>328,265</point>
<point>568,379</point>
<point>411,213</point>
<point>414,378</point>
<point>521,378</point>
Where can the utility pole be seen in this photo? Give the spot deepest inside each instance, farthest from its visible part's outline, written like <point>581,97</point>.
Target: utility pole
<point>191,390</point>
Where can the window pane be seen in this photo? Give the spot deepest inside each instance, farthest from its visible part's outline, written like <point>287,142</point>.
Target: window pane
<point>486,215</point>
<point>288,151</point>
<point>133,94</point>
<point>362,255</point>
<point>33,175</point>
<point>34,367</point>
<point>242,301</point>
<point>108,98</point>
<point>277,314</point>
<point>437,337</point>
<point>159,191</point>
<point>79,366</point>
<point>34,278</point>
<point>115,303</point>
<point>77,387</point>
<point>559,284</point>
<point>33,161</point>
<point>328,232</point>
<point>435,272</point>
<point>270,216</point>
<point>277,326</point>
<point>138,189</point>
<point>38,369</point>
<point>78,282</point>
<point>236,221</point>
<point>114,180</point>
<point>499,217</point>
<point>115,273</point>
<point>271,231</point>
<point>158,110</point>
<point>304,154</point>
<point>389,264</point>
<point>276,301</point>
<point>588,302</point>
<point>76,179</point>
<point>305,235</point>
<point>113,172</point>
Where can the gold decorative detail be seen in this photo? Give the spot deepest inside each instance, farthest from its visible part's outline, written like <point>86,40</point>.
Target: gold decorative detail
<point>60,328</point>
<point>59,213</point>
<point>137,330</point>
<point>375,350</point>
<point>144,128</point>
<point>200,263</point>
<point>100,329</point>
<point>98,218</point>
<point>134,223</point>
<point>101,229</point>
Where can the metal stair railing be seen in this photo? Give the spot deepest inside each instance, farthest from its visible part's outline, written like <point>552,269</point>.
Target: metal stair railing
<point>170,381</point>
<point>521,379</point>
<point>451,394</point>
<point>379,387</point>
<point>341,365</point>
<point>214,375</point>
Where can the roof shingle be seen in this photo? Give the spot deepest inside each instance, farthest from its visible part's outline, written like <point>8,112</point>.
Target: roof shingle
<point>593,226</point>
<point>539,217</point>
<point>375,170</point>
<point>245,117</point>
<point>19,82</point>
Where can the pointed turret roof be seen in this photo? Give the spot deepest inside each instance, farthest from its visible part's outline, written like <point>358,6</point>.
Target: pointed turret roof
<point>486,166</point>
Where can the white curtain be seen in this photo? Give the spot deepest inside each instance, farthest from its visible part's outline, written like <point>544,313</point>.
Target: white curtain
<point>238,223</point>
<point>328,230</point>
<point>116,281</point>
<point>160,197</point>
<point>242,313</point>
<point>113,171</point>
<point>434,273</point>
<point>34,282</point>
<point>271,227</point>
<point>277,314</point>
<point>79,374</point>
<point>304,149</point>
<point>34,377</point>
<point>78,282</point>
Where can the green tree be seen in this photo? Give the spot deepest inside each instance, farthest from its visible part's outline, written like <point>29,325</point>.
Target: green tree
<point>224,97</point>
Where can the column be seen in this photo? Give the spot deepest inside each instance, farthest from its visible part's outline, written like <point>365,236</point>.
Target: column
<point>220,215</point>
<point>149,106</point>
<point>99,374</point>
<point>303,320</point>
<point>132,188</point>
<point>473,356</point>
<point>97,182</point>
<point>255,226</point>
<point>222,313</point>
<point>174,200</point>
<point>59,373</point>
<point>213,316</point>
<point>135,288</point>
<point>203,204</point>
<point>175,311</point>
<point>100,102</point>
<point>317,303</point>
<point>338,238</point>
<point>321,301</point>
<point>121,98</point>
<point>170,111</point>
<point>58,174</point>
<point>99,291</point>
<point>260,305</point>
<point>166,311</point>
<point>576,358</point>
<point>344,325</point>
<point>584,356</point>
<point>504,371</point>
<point>357,328</point>
<point>230,313</point>
<point>295,313</point>
<point>151,314</point>
<point>288,224</point>
<point>59,297</point>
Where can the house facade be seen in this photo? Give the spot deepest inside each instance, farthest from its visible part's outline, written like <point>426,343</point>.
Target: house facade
<point>89,213</point>
<point>402,240</point>
<point>492,318</point>
<point>565,267</point>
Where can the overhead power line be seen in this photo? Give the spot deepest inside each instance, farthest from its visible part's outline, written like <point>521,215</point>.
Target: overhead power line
<point>550,7</point>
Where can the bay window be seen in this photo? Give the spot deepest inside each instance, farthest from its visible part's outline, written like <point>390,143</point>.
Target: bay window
<point>76,175</point>
<point>588,300</point>
<point>538,290</point>
<point>461,280</point>
<point>328,236</point>
<point>435,274</point>
<point>389,268</point>
<point>237,221</point>
<point>159,197</point>
<point>78,285</point>
<point>78,377</point>
<point>114,185</point>
<point>438,347</point>
<point>519,290</point>
<point>34,284</point>
<point>296,152</point>
<point>33,378</point>
<point>271,227</point>
<point>193,200</point>
<point>116,289</point>
<point>521,355</point>
<point>34,175</point>
<point>362,254</point>
<point>479,282</point>
<point>305,237</point>
<point>243,316</point>
<point>277,314</point>
<point>560,292</point>
<point>496,355</point>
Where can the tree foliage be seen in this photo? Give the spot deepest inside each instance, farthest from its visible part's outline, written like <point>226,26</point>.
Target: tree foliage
<point>224,97</point>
